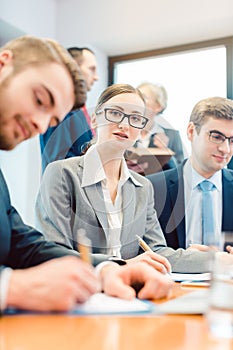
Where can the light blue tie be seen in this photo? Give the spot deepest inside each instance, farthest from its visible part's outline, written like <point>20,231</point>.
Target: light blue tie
<point>208,227</point>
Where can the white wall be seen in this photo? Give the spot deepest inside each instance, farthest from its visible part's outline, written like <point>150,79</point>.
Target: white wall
<point>66,12</point>
<point>22,166</point>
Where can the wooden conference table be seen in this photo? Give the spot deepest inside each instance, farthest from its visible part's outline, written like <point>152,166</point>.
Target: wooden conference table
<point>150,332</point>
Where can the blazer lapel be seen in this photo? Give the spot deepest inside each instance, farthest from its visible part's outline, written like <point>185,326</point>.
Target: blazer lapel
<point>176,195</point>
<point>227,218</point>
<point>95,195</point>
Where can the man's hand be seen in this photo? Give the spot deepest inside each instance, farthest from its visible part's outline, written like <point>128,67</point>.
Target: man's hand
<point>157,261</point>
<point>56,285</point>
<point>229,248</point>
<point>202,248</point>
<point>118,281</point>
<point>161,140</point>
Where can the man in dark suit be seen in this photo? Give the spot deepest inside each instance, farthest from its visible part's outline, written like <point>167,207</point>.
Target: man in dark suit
<point>178,198</point>
<point>75,131</point>
<point>39,84</point>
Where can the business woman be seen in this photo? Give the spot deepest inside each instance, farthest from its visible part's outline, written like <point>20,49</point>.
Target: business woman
<point>99,194</point>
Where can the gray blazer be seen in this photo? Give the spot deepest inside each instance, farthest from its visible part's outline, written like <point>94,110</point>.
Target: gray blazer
<point>64,205</point>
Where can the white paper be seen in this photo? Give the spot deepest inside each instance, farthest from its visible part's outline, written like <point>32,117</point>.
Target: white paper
<point>190,303</point>
<point>179,277</point>
<point>101,303</point>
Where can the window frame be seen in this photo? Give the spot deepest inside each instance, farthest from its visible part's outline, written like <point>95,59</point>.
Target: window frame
<point>227,42</point>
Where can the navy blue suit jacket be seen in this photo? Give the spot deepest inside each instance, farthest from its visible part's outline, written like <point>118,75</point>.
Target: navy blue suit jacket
<point>169,204</point>
<point>22,246</point>
<point>65,140</point>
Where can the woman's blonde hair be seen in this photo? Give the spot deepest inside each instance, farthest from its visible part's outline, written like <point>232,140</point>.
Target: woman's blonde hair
<point>114,90</point>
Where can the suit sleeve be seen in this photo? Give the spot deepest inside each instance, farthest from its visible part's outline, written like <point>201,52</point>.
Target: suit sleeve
<point>181,260</point>
<point>53,214</point>
<point>177,147</point>
<point>21,245</point>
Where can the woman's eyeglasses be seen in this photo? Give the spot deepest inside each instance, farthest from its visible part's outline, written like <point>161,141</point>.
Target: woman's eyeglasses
<point>134,120</point>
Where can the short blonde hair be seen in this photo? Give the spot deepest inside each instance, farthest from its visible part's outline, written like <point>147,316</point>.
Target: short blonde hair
<point>29,50</point>
<point>212,107</point>
<point>159,93</point>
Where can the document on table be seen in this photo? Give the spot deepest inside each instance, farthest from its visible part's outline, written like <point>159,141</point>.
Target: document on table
<point>190,303</point>
<point>101,303</point>
<point>191,277</point>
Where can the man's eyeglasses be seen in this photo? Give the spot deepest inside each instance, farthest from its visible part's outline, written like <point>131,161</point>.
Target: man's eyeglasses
<point>218,137</point>
<point>134,120</point>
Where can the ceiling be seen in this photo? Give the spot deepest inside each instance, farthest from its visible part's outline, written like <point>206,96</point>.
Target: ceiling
<point>127,26</point>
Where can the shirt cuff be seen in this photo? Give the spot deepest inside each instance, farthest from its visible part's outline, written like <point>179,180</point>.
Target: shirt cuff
<point>99,267</point>
<point>4,284</point>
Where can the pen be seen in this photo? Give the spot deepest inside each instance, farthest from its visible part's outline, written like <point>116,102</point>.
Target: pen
<point>84,246</point>
<point>143,244</point>
<point>147,248</point>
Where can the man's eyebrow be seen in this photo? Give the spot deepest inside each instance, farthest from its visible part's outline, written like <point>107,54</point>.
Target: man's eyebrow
<point>220,133</point>
<point>217,132</point>
<point>51,98</point>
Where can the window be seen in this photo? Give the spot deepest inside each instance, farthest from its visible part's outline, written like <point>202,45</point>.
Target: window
<point>189,73</point>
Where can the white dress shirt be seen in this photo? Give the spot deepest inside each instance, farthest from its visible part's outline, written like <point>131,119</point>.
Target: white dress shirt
<point>193,204</point>
<point>114,210</point>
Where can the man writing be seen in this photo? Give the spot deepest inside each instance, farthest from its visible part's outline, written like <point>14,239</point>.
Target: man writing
<point>39,84</point>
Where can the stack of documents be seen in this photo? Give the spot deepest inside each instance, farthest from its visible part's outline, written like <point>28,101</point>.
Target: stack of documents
<point>192,279</point>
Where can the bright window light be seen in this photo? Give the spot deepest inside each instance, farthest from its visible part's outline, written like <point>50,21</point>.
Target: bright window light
<point>188,77</point>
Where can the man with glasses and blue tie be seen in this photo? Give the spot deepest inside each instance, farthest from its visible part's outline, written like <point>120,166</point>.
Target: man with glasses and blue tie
<point>193,202</point>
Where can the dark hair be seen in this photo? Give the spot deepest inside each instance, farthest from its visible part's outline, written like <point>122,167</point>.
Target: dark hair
<point>77,53</point>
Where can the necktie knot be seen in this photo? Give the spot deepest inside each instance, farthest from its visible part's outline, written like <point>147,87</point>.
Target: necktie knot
<point>206,186</point>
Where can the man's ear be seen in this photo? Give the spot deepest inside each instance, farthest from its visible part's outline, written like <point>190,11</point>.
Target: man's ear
<point>190,130</point>
<point>5,58</point>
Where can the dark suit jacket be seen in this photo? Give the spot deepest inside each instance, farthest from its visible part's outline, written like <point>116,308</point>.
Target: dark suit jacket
<point>169,204</point>
<point>65,140</point>
<point>22,246</point>
<point>175,144</point>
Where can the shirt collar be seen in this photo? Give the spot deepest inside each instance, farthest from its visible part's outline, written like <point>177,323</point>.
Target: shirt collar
<point>92,161</point>
<point>194,178</point>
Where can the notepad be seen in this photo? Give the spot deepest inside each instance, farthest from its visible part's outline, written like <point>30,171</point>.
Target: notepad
<point>101,303</point>
<point>179,277</point>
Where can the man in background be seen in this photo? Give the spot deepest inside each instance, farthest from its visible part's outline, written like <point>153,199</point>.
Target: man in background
<point>157,133</point>
<point>178,192</point>
<point>68,139</point>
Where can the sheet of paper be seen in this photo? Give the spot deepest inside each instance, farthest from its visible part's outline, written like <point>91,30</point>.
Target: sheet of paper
<point>191,303</point>
<point>101,303</point>
<point>179,277</point>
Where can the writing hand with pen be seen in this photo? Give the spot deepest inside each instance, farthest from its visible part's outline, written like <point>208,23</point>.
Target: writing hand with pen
<point>157,261</point>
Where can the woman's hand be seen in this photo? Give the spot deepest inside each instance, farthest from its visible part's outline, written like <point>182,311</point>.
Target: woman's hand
<point>157,261</point>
